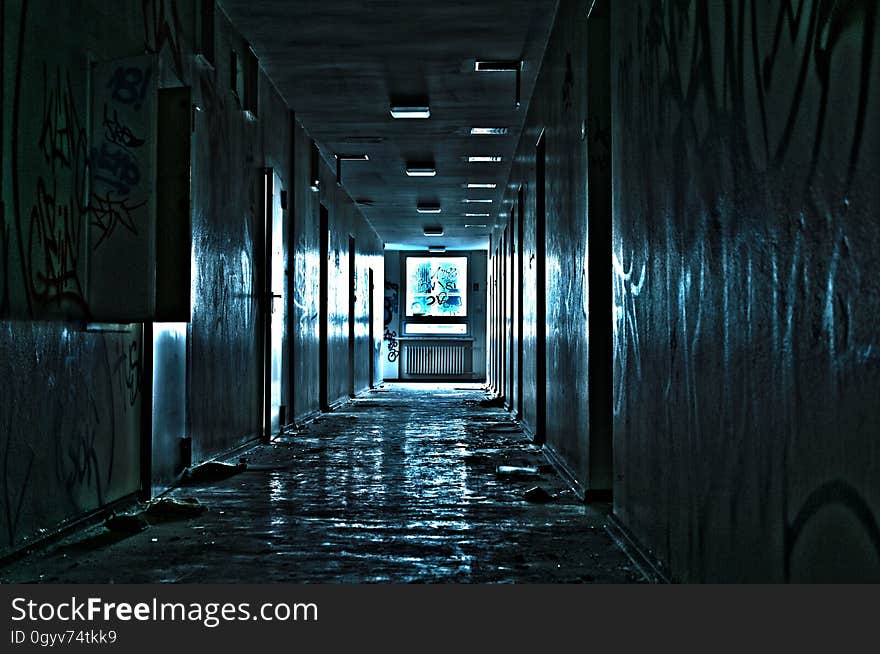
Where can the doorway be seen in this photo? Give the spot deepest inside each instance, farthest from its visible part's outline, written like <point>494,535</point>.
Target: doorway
<point>352,300</point>
<point>541,290</point>
<point>323,300</point>
<point>274,307</point>
<point>509,314</point>
<point>372,334</point>
<point>520,350</point>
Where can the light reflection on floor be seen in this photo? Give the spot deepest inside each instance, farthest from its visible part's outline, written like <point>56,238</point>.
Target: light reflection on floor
<point>399,485</point>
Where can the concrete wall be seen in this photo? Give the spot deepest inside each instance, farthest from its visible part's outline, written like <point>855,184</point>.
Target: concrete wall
<point>71,398</point>
<point>345,221</point>
<point>73,388</point>
<point>558,107</point>
<point>743,259</point>
<point>231,151</point>
<point>746,188</point>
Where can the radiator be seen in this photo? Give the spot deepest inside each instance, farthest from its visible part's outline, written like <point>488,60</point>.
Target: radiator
<point>437,358</point>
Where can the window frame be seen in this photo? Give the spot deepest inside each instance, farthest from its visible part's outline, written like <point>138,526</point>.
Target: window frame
<point>427,319</point>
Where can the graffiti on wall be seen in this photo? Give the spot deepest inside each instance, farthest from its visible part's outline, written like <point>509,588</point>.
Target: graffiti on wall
<point>392,304</point>
<point>763,81</point>
<point>392,301</point>
<point>12,461</point>
<point>436,286</point>
<point>627,289</point>
<point>120,199</point>
<point>163,30</point>
<point>776,94</point>
<point>81,442</point>
<point>4,263</point>
<point>82,172</point>
<point>51,239</point>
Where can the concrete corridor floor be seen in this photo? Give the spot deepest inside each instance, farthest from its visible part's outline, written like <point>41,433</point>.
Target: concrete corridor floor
<point>398,485</point>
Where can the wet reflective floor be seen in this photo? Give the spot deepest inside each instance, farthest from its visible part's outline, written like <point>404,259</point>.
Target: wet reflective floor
<point>398,485</point>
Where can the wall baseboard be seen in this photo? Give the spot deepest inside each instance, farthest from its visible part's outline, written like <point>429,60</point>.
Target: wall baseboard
<point>564,471</point>
<point>649,566</point>
<point>67,527</point>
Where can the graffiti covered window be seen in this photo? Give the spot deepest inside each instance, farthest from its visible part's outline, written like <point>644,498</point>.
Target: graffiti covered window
<point>436,287</point>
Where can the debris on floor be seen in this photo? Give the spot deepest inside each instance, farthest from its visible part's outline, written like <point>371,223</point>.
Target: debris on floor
<point>537,495</point>
<point>415,490</point>
<point>290,428</point>
<point>211,471</point>
<point>517,472</point>
<point>126,523</point>
<point>168,508</point>
<point>490,402</point>
<point>477,460</point>
<point>269,467</point>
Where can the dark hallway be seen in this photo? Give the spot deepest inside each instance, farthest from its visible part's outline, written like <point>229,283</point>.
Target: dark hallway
<point>399,486</point>
<point>642,235</point>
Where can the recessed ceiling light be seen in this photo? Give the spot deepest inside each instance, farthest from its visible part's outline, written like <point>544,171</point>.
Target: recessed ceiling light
<point>496,66</point>
<point>421,172</point>
<point>353,157</point>
<point>476,215</point>
<point>474,226</point>
<point>469,201</point>
<point>364,139</point>
<point>436,248</point>
<point>426,207</point>
<point>482,185</point>
<point>434,230</point>
<point>411,112</point>
<point>488,131</point>
<point>478,159</point>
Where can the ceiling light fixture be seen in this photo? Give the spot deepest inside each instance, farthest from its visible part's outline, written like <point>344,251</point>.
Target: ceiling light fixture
<point>416,171</point>
<point>472,185</point>
<point>476,215</point>
<point>503,67</point>
<point>347,157</point>
<point>426,207</point>
<point>436,248</point>
<point>433,230</point>
<point>315,174</point>
<point>474,226</point>
<point>411,112</point>
<point>469,201</point>
<point>479,159</point>
<point>496,66</point>
<point>488,131</point>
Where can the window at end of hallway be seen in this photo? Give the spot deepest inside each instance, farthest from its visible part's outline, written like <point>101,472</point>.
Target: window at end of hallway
<point>436,287</point>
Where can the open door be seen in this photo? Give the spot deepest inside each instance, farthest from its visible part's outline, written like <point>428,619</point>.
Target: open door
<point>274,306</point>
<point>167,444</point>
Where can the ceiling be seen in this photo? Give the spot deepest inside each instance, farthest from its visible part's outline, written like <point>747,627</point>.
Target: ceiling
<point>340,64</point>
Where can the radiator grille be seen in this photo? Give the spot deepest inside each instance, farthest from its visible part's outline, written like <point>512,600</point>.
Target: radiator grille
<point>437,359</point>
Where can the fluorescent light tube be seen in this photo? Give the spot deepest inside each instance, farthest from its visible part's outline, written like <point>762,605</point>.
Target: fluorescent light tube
<point>411,112</point>
<point>421,172</point>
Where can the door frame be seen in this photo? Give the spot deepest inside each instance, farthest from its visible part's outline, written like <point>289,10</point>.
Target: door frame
<point>352,317</point>
<point>541,288</point>
<point>520,323</point>
<point>323,310</point>
<point>371,350</point>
